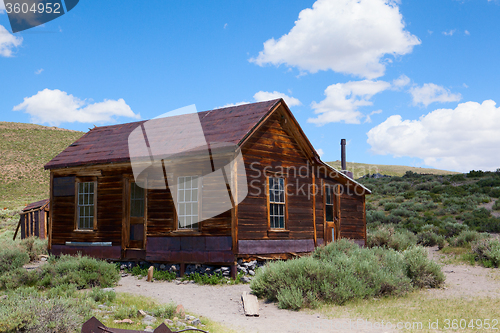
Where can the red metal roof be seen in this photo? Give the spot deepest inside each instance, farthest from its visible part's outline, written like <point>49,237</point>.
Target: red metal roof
<point>109,144</point>
<point>34,205</point>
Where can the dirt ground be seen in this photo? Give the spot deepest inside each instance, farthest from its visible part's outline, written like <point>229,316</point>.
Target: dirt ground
<point>223,303</point>
<point>465,280</point>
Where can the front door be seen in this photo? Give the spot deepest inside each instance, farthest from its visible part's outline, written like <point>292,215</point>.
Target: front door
<point>332,214</point>
<point>135,216</point>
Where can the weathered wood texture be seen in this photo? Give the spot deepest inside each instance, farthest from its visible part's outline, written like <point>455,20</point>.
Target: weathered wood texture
<point>109,202</point>
<point>352,222</point>
<point>273,149</point>
<point>194,249</point>
<point>250,304</point>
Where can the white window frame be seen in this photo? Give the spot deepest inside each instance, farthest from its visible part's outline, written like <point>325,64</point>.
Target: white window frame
<point>88,206</point>
<point>277,202</point>
<point>330,204</point>
<point>188,205</point>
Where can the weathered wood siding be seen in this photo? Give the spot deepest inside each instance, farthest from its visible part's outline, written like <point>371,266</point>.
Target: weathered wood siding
<point>109,207</point>
<point>272,146</point>
<point>352,216</point>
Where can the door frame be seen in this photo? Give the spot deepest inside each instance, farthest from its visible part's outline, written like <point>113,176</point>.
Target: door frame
<point>127,181</point>
<point>335,224</point>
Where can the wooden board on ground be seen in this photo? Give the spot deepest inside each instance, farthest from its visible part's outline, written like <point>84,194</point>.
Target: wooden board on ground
<point>250,304</point>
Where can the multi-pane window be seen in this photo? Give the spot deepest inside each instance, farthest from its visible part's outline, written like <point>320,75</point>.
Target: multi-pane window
<point>136,200</point>
<point>277,202</point>
<point>329,203</point>
<point>187,202</point>
<point>85,211</point>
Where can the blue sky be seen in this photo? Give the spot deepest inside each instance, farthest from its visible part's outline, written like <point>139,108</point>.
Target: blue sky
<point>405,82</point>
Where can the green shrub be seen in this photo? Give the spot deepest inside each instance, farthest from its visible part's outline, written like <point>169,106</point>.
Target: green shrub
<point>290,298</point>
<point>388,237</point>
<point>18,277</point>
<point>84,272</point>
<point>101,296</point>
<point>34,247</point>
<point>475,174</point>
<point>487,251</point>
<point>457,178</point>
<point>31,312</point>
<point>495,192</point>
<point>11,258</point>
<point>452,229</point>
<point>466,237</point>
<point>63,290</point>
<point>402,212</point>
<point>373,216</point>
<point>390,206</point>
<point>422,271</point>
<point>342,271</point>
<point>496,206</point>
<point>429,238</point>
<point>123,312</point>
<point>157,274</point>
<point>164,311</point>
<point>399,199</point>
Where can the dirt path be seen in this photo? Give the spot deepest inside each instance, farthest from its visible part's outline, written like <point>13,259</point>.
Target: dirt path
<point>223,304</point>
<point>489,206</point>
<point>465,280</point>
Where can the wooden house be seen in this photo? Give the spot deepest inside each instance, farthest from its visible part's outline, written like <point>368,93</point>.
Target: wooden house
<point>98,209</point>
<point>33,220</point>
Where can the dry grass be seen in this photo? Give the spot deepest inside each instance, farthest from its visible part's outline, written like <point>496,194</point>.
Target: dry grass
<point>24,149</point>
<point>361,169</point>
<point>420,307</point>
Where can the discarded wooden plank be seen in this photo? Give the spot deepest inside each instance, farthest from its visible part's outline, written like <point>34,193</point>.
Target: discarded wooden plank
<point>250,304</point>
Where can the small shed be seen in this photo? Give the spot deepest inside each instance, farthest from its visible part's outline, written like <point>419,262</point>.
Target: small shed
<point>34,219</point>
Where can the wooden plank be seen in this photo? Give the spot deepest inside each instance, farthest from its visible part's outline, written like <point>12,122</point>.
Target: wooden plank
<point>49,232</point>
<point>250,304</point>
<point>124,235</point>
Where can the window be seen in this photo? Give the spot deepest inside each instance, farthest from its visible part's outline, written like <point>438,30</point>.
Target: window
<point>187,202</point>
<point>136,200</point>
<point>329,203</point>
<point>86,205</point>
<point>276,203</point>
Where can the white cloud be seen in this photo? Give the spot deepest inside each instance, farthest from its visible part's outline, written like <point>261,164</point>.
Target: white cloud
<point>8,42</point>
<point>55,106</point>
<point>232,104</point>
<point>343,101</point>
<point>39,71</point>
<point>430,93</point>
<point>467,32</point>
<point>368,117</point>
<point>225,26</point>
<point>400,82</point>
<point>320,152</point>
<point>262,96</point>
<point>461,139</point>
<point>266,96</point>
<point>449,32</point>
<point>346,36</point>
